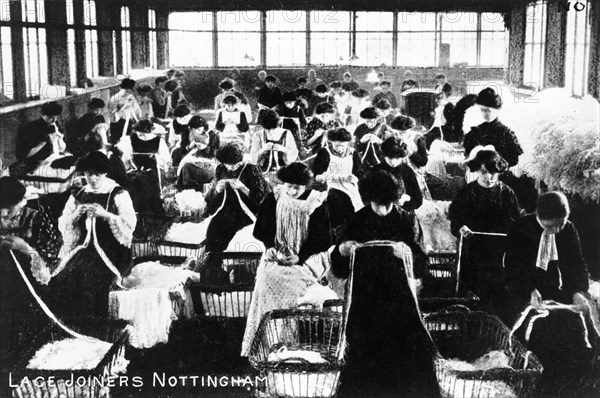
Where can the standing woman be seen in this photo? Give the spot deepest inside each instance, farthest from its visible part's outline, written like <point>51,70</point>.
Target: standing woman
<point>484,205</point>
<point>84,283</point>
<point>273,147</point>
<point>293,223</point>
<point>339,167</point>
<point>234,198</point>
<point>200,148</point>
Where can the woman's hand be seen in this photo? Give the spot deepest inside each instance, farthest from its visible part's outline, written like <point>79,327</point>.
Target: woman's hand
<point>346,248</point>
<point>465,231</point>
<point>352,179</point>
<point>404,198</point>
<point>280,148</point>
<point>95,210</point>
<point>220,187</point>
<point>237,184</point>
<point>12,242</point>
<point>536,300</point>
<point>81,209</point>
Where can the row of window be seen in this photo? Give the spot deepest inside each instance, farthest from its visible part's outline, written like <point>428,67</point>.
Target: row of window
<point>296,38</point>
<point>577,47</point>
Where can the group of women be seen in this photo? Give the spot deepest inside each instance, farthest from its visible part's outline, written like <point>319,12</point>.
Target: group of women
<point>312,199</point>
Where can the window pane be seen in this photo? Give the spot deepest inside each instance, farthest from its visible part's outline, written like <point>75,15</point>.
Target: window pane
<point>329,48</point>
<point>89,12</point>
<point>329,21</point>
<point>286,21</point>
<point>190,38</point>
<point>286,49</point>
<point>6,91</point>
<point>374,49</point>
<point>416,49</point>
<point>492,21</point>
<point>494,50</point>
<point>72,60</point>
<point>70,12</point>
<point>239,49</point>
<point>416,21</point>
<point>463,47</point>
<point>460,21</point>
<point>374,21</point>
<point>239,21</point>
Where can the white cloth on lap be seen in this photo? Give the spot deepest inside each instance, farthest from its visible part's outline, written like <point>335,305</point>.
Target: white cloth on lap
<point>244,241</point>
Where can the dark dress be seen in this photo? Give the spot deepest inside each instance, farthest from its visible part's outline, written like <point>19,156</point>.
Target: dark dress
<point>85,124</point>
<point>296,113</point>
<point>390,353</point>
<point>195,175</point>
<point>85,281</point>
<point>143,182</point>
<point>242,126</point>
<point>371,155</point>
<point>408,180</point>
<point>350,86</point>
<point>391,97</point>
<point>30,136</point>
<point>497,134</point>
<point>318,238</point>
<point>232,217</point>
<point>266,160</point>
<point>314,125</point>
<point>484,210</point>
<point>269,97</point>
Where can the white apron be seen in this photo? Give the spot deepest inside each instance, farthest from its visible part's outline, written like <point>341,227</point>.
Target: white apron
<point>342,167</point>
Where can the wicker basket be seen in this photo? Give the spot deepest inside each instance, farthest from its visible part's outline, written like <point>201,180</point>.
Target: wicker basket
<point>48,184</point>
<point>147,224</point>
<point>230,299</point>
<point>308,330</point>
<point>468,336</point>
<point>176,249</point>
<point>94,383</point>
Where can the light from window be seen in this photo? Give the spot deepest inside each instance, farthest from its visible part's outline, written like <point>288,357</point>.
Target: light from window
<point>190,39</point>
<point>329,37</point>
<point>239,38</point>
<point>374,41</point>
<point>6,77</point>
<point>91,38</point>
<point>34,46</point>
<point>578,50</point>
<point>286,38</point>
<point>152,38</point>
<point>417,45</point>
<point>126,39</point>
<point>535,45</point>
<point>71,44</point>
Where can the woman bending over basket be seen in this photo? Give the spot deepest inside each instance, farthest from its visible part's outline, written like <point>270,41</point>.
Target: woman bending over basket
<point>234,198</point>
<point>485,205</point>
<point>293,224</point>
<point>390,353</point>
<point>99,216</point>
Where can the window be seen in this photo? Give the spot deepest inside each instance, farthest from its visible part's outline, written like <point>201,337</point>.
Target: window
<point>239,38</point>
<point>152,36</point>
<point>286,38</point>
<point>459,30</point>
<point>126,39</point>
<point>417,41</point>
<point>374,40</point>
<point>329,37</point>
<point>494,40</point>
<point>6,80</point>
<point>578,50</point>
<point>71,44</point>
<point>190,39</point>
<point>91,38</point>
<point>535,45</point>
<point>34,47</point>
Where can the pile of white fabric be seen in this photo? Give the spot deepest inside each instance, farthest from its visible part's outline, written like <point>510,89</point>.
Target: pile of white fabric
<point>244,241</point>
<point>188,232</point>
<point>70,354</point>
<point>156,296</point>
<point>316,295</point>
<point>190,202</point>
<point>469,388</point>
<point>284,355</point>
<point>433,217</point>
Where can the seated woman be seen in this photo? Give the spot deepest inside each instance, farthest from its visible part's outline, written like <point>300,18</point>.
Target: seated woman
<point>292,116</point>
<point>96,140</point>
<point>273,147</point>
<point>544,262</point>
<point>339,167</point>
<point>147,152</point>
<point>234,198</point>
<point>394,152</point>
<point>179,127</point>
<point>316,130</point>
<point>232,122</point>
<point>39,140</point>
<point>485,205</point>
<point>386,111</point>
<point>398,360</point>
<point>293,224</point>
<point>359,100</point>
<point>85,280</point>
<point>369,135</point>
<point>35,241</point>
<point>200,147</point>
<point>226,87</point>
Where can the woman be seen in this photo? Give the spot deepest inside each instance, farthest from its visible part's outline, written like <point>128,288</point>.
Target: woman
<point>274,147</point>
<point>369,135</point>
<point>340,167</point>
<point>544,262</point>
<point>234,198</point>
<point>485,205</point>
<point>35,242</point>
<point>179,127</point>
<point>96,140</point>
<point>394,152</point>
<point>232,123</point>
<point>317,128</point>
<point>389,352</point>
<point>293,223</point>
<point>85,280</point>
<point>292,116</point>
<point>200,148</point>
<point>147,153</point>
